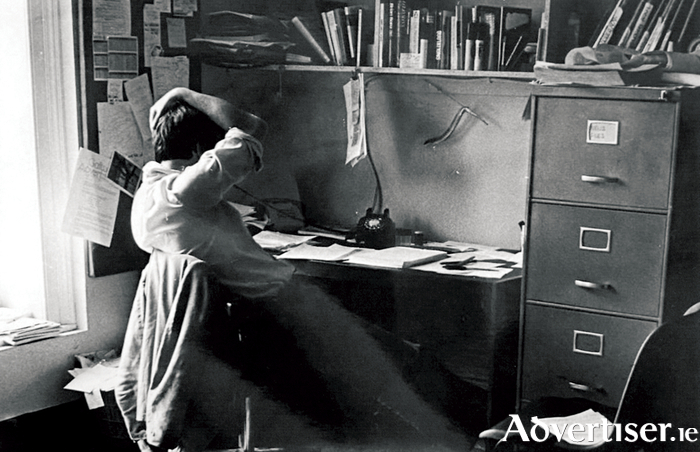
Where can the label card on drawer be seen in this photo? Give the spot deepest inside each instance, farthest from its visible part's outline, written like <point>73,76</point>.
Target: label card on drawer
<point>588,343</point>
<point>602,132</point>
<point>593,239</point>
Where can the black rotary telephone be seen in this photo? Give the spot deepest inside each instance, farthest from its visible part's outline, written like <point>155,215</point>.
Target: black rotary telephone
<point>375,230</point>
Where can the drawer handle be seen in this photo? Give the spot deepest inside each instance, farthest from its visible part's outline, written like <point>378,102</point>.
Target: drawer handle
<point>591,285</point>
<point>599,179</point>
<point>585,388</point>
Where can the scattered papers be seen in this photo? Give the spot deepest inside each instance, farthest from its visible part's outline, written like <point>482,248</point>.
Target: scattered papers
<point>562,428</point>
<point>25,329</point>
<point>332,253</point>
<point>395,257</point>
<point>94,375</point>
<point>278,241</point>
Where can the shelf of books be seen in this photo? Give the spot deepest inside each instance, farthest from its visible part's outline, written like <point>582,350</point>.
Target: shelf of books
<point>401,71</point>
<point>390,36</point>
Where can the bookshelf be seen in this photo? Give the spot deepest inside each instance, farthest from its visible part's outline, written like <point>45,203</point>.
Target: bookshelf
<point>556,26</point>
<point>455,74</point>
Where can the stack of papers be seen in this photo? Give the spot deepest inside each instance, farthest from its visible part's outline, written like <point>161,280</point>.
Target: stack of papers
<point>278,241</point>
<point>333,253</point>
<point>25,329</point>
<point>395,257</point>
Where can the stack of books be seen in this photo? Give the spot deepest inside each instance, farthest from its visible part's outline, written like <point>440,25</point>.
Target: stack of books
<point>646,25</point>
<point>407,35</point>
<point>474,37</point>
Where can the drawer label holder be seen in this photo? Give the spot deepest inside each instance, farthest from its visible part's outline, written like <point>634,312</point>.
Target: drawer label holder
<point>594,239</point>
<point>588,343</point>
<point>602,132</point>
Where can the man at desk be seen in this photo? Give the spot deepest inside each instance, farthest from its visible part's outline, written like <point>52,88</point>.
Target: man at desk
<point>181,208</point>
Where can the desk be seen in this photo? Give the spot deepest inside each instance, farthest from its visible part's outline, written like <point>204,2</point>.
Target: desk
<point>468,325</point>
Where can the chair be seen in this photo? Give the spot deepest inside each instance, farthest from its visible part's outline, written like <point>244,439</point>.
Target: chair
<point>663,388</point>
<point>182,377</point>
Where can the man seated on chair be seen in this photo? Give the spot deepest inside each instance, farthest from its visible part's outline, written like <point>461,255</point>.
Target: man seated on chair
<point>181,208</point>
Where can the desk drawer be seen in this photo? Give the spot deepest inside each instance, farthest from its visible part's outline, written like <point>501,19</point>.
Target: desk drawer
<point>577,354</point>
<point>596,258</point>
<point>603,152</point>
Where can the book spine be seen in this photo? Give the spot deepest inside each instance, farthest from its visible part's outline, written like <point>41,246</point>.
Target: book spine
<point>351,18</point>
<point>609,27</point>
<point>376,33</point>
<point>414,32</point>
<point>335,39</point>
<point>687,21</point>
<point>430,36</point>
<point>672,26</point>
<point>402,23</point>
<point>663,23</point>
<point>342,31</point>
<point>624,37</point>
<point>480,55</point>
<point>652,25</point>
<point>469,46</point>
<point>304,31</point>
<point>329,37</point>
<point>454,61</point>
<point>638,29</point>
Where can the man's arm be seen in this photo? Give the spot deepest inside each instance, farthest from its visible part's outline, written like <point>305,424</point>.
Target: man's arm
<point>223,113</point>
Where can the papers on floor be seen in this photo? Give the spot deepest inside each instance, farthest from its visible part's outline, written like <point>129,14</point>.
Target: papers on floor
<point>332,253</point>
<point>23,330</point>
<point>94,376</point>
<point>395,257</point>
<point>278,241</point>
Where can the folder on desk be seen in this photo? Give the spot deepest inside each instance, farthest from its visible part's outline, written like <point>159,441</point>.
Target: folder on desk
<point>396,257</point>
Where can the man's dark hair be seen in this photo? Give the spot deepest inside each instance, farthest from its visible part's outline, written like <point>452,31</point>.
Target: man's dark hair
<point>179,129</point>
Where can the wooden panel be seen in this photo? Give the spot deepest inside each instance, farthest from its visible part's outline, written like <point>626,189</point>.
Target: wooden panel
<point>629,144</point>
<point>559,256</point>
<point>575,354</point>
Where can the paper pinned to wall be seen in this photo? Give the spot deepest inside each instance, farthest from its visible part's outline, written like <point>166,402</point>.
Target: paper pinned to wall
<point>152,44</point>
<point>354,92</point>
<point>118,131</point>
<point>177,37</point>
<point>168,73</point>
<point>138,93</point>
<point>111,18</point>
<point>92,203</point>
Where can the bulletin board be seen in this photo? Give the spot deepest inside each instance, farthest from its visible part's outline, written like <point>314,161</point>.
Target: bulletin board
<point>92,55</point>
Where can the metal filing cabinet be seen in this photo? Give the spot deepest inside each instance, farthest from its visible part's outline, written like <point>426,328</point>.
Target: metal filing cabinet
<point>613,233</point>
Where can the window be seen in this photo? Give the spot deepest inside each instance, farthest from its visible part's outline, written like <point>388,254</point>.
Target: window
<point>42,269</point>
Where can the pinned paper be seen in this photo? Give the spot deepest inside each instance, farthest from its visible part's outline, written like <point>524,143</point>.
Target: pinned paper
<point>92,203</point>
<point>354,92</point>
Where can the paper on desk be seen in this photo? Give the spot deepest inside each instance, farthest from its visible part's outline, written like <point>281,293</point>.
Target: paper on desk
<point>278,241</point>
<point>491,270</point>
<point>332,253</point>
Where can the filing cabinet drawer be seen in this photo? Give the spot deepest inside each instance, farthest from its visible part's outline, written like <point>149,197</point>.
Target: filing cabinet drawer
<point>596,258</point>
<point>616,152</point>
<point>577,354</point>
